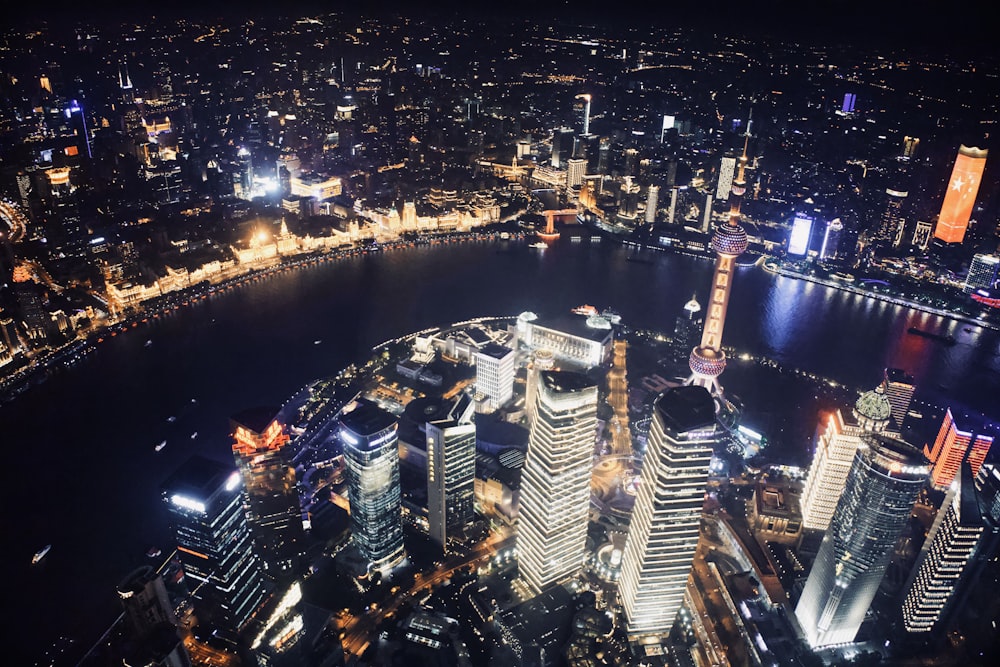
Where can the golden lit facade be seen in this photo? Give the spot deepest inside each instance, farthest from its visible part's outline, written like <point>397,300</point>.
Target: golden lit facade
<point>952,446</point>
<point>555,483</point>
<point>273,512</point>
<point>963,186</point>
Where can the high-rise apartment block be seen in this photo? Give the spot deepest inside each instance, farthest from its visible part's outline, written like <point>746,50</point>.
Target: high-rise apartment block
<point>663,533</point>
<point>260,447</point>
<point>371,457</point>
<point>834,456</point>
<point>966,530</point>
<point>885,478</point>
<point>952,446</point>
<point>214,544</point>
<point>963,186</point>
<point>555,482</point>
<point>451,472</point>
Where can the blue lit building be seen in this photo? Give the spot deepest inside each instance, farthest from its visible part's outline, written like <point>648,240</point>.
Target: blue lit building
<point>371,457</point>
<point>205,502</point>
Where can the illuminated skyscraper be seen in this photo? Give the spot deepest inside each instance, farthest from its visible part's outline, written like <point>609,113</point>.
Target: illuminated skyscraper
<point>835,449</point>
<point>371,456</point>
<point>495,374</point>
<point>982,273</point>
<point>966,530</point>
<point>555,482</point>
<point>260,447</point>
<point>663,533</point>
<point>963,186</point>
<point>893,221</point>
<point>451,472</point>
<point>707,361</point>
<point>652,201</point>
<point>951,447</point>
<point>831,239</point>
<point>885,478</point>
<point>899,388</point>
<point>214,545</point>
<point>798,238</point>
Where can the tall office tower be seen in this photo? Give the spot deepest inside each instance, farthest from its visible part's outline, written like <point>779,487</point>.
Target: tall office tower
<point>963,186</point>
<point>982,273</point>
<point>586,113</point>
<point>214,545</point>
<point>555,482</point>
<point>726,171</point>
<point>260,447</point>
<point>706,220</point>
<point>899,388</point>
<point>849,100</point>
<point>831,239</point>
<point>562,146</point>
<point>672,211</point>
<point>835,449</point>
<point>451,473</point>
<point>371,456</point>
<point>495,374</point>
<point>910,145</point>
<point>707,361</point>
<point>885,478</point>
<point>576,168</point>
<point>663,533</point>
<point>145,601</point>
<point>922,234</point>
<point>952,446</point>
<point>965,531</point>
<point>152,637</point>
<point>628,199</point>
<point>687,326</point>
<point>893,220</point>
<point>652,201</point>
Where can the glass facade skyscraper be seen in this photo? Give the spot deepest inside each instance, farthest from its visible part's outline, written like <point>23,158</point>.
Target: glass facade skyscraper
<point>883,483</point>
<point>205,501</point>
<point>663,534</point>
<point>371,457</point>
<point>555,483</point>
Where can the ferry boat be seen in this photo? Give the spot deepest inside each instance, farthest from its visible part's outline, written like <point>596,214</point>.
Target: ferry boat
<point>947,339</point>
<point>161,445</point>
<point>40,554</point>
<point>153,552</point>
<point>541,245</point>
<point>194,435</point>
<point>171,419</point>
<point>148,343</point>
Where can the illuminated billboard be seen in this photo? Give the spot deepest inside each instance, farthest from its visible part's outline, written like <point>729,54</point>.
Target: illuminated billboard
<point>798,241</point>
<point>961,196</point>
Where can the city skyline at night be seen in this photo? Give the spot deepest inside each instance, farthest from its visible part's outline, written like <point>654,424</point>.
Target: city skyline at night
<point>479,261</point>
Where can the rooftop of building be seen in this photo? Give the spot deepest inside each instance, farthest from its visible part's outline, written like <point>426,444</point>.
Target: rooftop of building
<point>898,375</point>
<point>198,477</point>
<point>574,325</point>
<point>367,419</point>
<point>565,382</point>
<point>495,350</point>
<point>686,408</point>
<point>256,419</point>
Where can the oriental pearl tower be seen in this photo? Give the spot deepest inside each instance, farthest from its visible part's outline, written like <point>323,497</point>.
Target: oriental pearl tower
<point>707,361</point>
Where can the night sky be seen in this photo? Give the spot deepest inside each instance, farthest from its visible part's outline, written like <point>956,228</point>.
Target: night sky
<point>933,25</point>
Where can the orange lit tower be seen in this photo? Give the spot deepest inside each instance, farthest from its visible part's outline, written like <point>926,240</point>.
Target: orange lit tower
<point>951,447</point>
<point>260,449</point>
<point>707,361</point>
<point>963,186</point>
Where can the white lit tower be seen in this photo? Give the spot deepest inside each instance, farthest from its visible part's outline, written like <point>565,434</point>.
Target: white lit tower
<point>663,533</point>
<point>555,483</point>
<point>707,361</point>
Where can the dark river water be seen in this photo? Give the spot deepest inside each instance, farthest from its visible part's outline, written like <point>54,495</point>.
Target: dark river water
<point>81,472</point>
